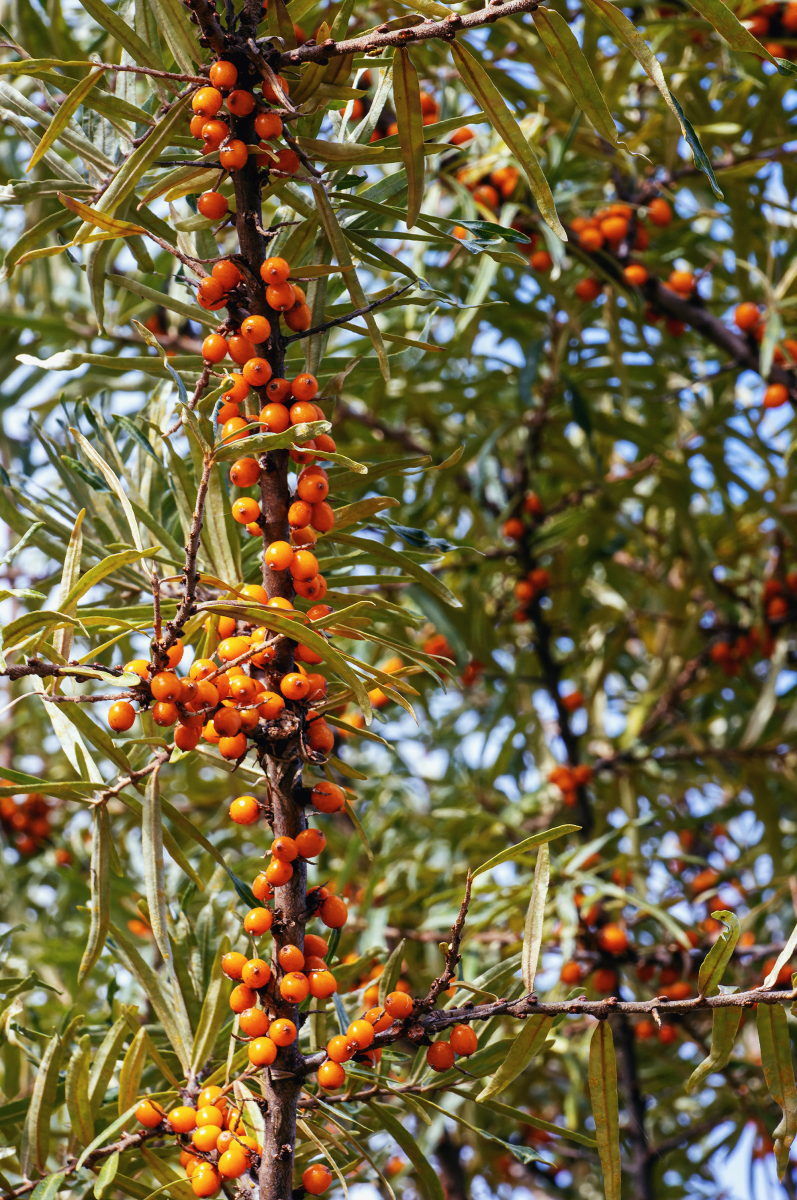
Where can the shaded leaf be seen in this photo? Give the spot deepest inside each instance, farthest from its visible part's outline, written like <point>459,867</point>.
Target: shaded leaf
<point>603,1095</point>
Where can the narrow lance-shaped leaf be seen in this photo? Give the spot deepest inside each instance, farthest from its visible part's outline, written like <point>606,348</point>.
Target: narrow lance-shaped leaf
<point>389,977</point>
<point>775,1043</point>
<point>713,966</point>
<point>104,1062</point>
<point>527,1045</point>
<point>62,638</point>
<point>728,26</point>
<point>780,962</point>
<point>36,1130</point>
<point>492,102</point>
<point>535,915</point>
<point>214,1010</point>
<point>132,1069</point>
<point>154,882</point>
<point>64,115</point>
<point>104,1183</point>
<point>172,1017</point>
<point>724,1027</point>
<point>407,98</point>
<point>536,839</point>
<point>77,1092</point>
<point>603,1096</point>
<point>99,905</point>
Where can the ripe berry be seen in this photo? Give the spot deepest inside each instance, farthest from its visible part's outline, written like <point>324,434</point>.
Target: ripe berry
<point>223,74</point>
<point>183,1119</point>
<point>440,1056</point>
<point>313,488</point>
<point>570,973</point>
<point>315,945</point>
<point>775,395</point>
<point>233,1162</point>
<point>605,980</point>
<point>268,125</point>
<point>245,510</point>
<point>278,873</point>
<point>245,472</point>
<point>232,964</point>
<point>463,1040</point>
<point>398,1004</point>
<point>659,212</point>
<point>310,843</point>
<point>282,1032</point>
<point>279,556</point>
<point>240,349</point>
<point>253,1022</point>
<point>613,939</point>
<point>274,418</point>
<point>316,1179</point>
<point>209,1114</point>
<point>262,1052</point>
<point>214,348</point>
<point>311,589</point>
<point>206,102</point>
<point>278,390</point>
<point>635,274</point>
<point>121,716</point>
<point>360,1034</point>
<point>682,282</point>
<point>333,912</point>
<point>245,810</point>
<point>242,997</point>
<point>165,713</point>
<point>240,102</point>
<point>213,134</point>
<point>301,412</point>
<point>212,205</point>
<point>256,329</point>
<point>320,737</point>
<point>339,1049</point>
<point>304,387</point>
<point>379,1019</point>
<point>275,270</point>
<point>234,155</point>
<point>149,1114</point>
<point>331,1075</point>
<point>303,565</point>
<point>746,315</point>
<point>294,686</point>
<point>280,297</point>
<point>284,848</point>
<point>270,706</point>
<point>205,1181</point>
<point>294,987</point>
<point>291,958</point>
<point>327,797</point>
<point>258,921</point>
<point>322,983</point>
<point>255,973</point>
<point>323,518</point>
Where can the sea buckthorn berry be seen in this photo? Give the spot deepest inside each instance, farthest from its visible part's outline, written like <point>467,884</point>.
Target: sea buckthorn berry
<point>202,667</point>
<point>304,566</point>
<point>304,537</point>
<point>285,849</point>
<point>224,74</point>
<point>614,228</point>
<point>322,982</point>
<point>226,273</point>
<point>339,1050</point>
<point>282,1032</point>
<point>318,686</point>
<point>234,430</point>
<point>294,987</point>
<point>294,686</point>
<point>323,441</point>
<point>186,739</point>
<point>279,296</point>
<point>165,713</point>
<point>331,1075</point>
<point>290,958</point>
<point>165,686</point>
<point>257,372</point>
<point>279,556</point>
<point>245,510</point>
<point>270,706</point>
<point>274,418</point>
<point>298,319</point>
<point>149,1114</point>
<point>258,921</point>
<point>256,329</point>
<point>212,1094</point>
<point>205,1180</point>
<point>233,1162</point>
<point>233,156</point>
<point>210,290</point>
<point>379,1018</point>
<point>320,737</point>
<point>262,1052</point>
<point>269,92</point>
<point>261,888</point>
<point>540,261</point>
<point>570,973</point>
<point>253,1022</point>
<point>254,591</point>
<point>299,514</point>
<point>278,873</point>
<point>232,964</point>
<point>613,939</point>
<point>255,973</point>
<point>440,1056</point>
<point>398,1004</point>
<point>635,274</point>
<point>278,390</point>
<point>237,393</point>
<point>275,270</point>
<point>588,289</point>
<point>280,602</point>
<point>245,810</point>
<point>231,647</point>
<point>682,282</point>
<point>319,611</point>
<point>299,295</point>
<point>315,945</point>
<point>121,716</point>
<point>287,161</point>
<point>209,1114</point>
<point>189,1162</point>
<point>775,395</point>
<point>313,488</point>
<point>323,518</point>
<point>327,797</point>
<point>197,125</point>
<point>213,134</point>
<point>214,348</point>
<point>240,349</point>
<point>746,315</point>
<point>227,412</point>
<point>268,125</point>
<point>205,1137</point>
<point>138,666</point>
<point>245,472</point>
<point>333,912</point>
<point>213,205</point>
<point>242,997</point>
<point>463,1040</point>
<point>659,212</point>
<point>304,387</point>
<point>243,689</point>
<point>240,102</point>
<point>206,102</point>
<point>316,1179</point>
<point>360,1034</point>
<point>301,412</point>
<point>605,980</point>
<point>310,843</point>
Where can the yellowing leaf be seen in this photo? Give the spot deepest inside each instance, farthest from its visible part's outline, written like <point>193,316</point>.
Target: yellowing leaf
<point>64,115</point>
<point>92,217</point>
<point>407,99</point>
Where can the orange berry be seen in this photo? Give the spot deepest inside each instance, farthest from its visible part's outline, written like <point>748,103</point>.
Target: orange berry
<point>379,1019</point>
<point>280,297</point>
<point>311,589</point>
<point>316,1179</point>
<point>304,387</point>
<point>775,395</point>
<point>165,686</point>
<point>294,686</point>
<point>257,372</point>
<point>182,1119</point>
<point>541,261</point>
<point>313,488</point>
<point>232,964</point>
<point>320,737</point>
<point>398,1004</point>
<point>327,797</point>
<point>214,348</point>
<point>234,155</point>
<point>303,565</point>
<point>261,888</point>
<point>301,412</point>
<point>279,556</point>
<point>440,1056</point>
<point>245,810</point>
<point>659,212</point>
<point>209,1114</point>
<point>253,1022</point>
<point>682,282</point>
<point>290,958</point>
<point>213,134</point>
<point>262,1052</point>
<point>149,1114</point>
<point>165,713</point>
<point>570,973</point>
<point>271,705</point>
<point>310,843</point>
<point>331,1075</point>
<point>287,160</point>
<point>257,330</point>
<point>360,1034</point>
<point>605,980</point>
<point>323,518</point>
<point>333,912</point>
<point>234,430</point>
<point>613,939</point>
<point>240,349</point>
<point>233,1162</point>
<point>206,102</point>
<point>242,997</point>
<point>268,125</point>
<point>591,238</point>
<point>223,74</point>
<point>282,1032</point>
<point>294,987</point>
<point>284,848</point>
<point>463,1040</point>
<point>240,102</point>
<point>121,716</point>
<point>339,1049</point>
<point>255,973</point>
<point>322,982</point>
<point>205,1137</point>
<point>278,873</point>
<point>274,418</point>
<point>258,921</point>
<point>275,270</point>
<point>299,514</point>
<point>298,319</point>
<point>746,315</point>
<point>635,274</point>
<point>238,392</point>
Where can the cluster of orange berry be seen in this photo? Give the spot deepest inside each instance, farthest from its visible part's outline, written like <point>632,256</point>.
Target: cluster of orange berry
<point>283,297</point>
<point>609,227</point>
<point>325,797</point>
<point>215,132</point>
<point>730,654</point>
<point>752,321</point>
<point>514,528</point>
<point>779,598</point>
<point>488,190</point>
<point>26,822</point>
<point>215,1143</point>
<point>569,779</point>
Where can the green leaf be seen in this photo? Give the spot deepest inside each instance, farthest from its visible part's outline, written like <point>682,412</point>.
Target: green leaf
<point>131,1070</point>
<point>136,47</point>
<point>387,554</point>
<point>261,443</point>
<point>62,640</point>
<point>173,23</point>
<point>701,158</point>
<point>32,237</point>
<point>170,1013</point>
<point>483,90</point>
<point>407,100</point>
<point>775,1043</point>
<point>114,484</point>
<point>154,882</point>
<point>527,1045</point>
<point>107,1134</point>
<point>602,1074</point>
<point>390,975</point>
<point>63,116</point>
<point>106,1178</point>
<point>361,510</point>
<point>728,26</point>
<point>170,303</point>
<point>517,1114</point>
<point>77,1092</point>
<point>713,966</point>
<point>537,839</point>
<point>724,1027</point>
<point>36,1130</point>
<point>427,1178</point>
<point>214,1010</point>
<point>99,905</point>
<point>49,1187</point>
<point>572,65</point>
<point>104,1063</point>
<point>535,917</point>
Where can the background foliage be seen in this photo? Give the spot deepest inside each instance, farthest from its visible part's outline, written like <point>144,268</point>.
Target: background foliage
<point>668,501</point>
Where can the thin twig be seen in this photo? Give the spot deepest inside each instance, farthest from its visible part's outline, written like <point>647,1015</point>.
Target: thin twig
<point>359,312</point>
<point>453,957</point>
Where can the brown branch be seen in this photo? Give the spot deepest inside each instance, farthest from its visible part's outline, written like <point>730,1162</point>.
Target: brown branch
<point>453,956</point>
<point>198,79</point>
<point>188,602</point>
<point>128,1141</point>
<point>35,666</point>
<point>370,43</point>
<point>358,312</point>
<point>201,384</point>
